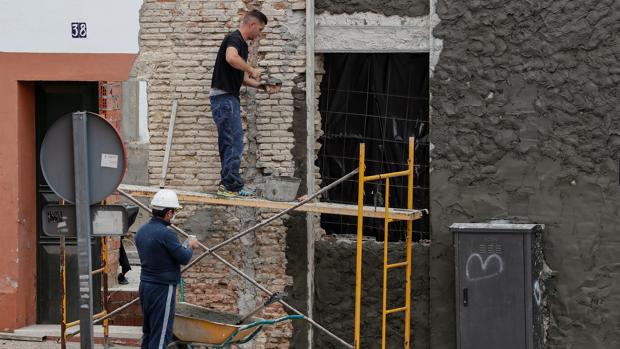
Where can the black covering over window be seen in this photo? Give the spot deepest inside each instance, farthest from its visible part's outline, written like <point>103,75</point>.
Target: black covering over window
<point>380,99</point>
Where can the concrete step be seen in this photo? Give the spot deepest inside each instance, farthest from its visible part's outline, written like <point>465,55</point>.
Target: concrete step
<point>133,276</point>
<point>134,258</point>
<point>132,253</point>
<point>125,334</point>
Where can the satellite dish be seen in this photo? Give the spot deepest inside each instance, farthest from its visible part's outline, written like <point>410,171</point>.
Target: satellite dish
<point>106,158</point>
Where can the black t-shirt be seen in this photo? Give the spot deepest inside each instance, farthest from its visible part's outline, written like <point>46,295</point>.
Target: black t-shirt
<point>225,77</point>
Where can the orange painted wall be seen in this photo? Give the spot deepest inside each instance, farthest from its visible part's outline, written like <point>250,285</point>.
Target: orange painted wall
<point>18,72</point>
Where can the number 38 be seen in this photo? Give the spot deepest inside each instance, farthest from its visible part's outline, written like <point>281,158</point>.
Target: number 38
<point>78,30</point>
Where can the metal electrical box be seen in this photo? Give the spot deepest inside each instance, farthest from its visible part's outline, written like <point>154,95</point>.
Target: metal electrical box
<point>499,296</point>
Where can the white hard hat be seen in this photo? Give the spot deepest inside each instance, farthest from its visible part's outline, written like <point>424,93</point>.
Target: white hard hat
<point>165,198</point>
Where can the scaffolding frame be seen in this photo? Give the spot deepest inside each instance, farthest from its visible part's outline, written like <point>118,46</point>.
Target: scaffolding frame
<point>387,213</point>
<point>211,251</point>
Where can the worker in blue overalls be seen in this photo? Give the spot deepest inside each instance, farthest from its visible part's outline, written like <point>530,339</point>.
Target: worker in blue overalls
<point>161,257</point>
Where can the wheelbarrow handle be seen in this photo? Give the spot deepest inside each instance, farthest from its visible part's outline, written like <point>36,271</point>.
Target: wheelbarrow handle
<point>275,297</point>
<point>257,326</point>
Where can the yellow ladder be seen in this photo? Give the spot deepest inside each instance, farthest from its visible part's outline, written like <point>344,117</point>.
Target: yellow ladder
<point>386,265</point>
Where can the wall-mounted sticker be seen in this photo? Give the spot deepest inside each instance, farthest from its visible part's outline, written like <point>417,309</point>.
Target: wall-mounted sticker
<point>109,160</point>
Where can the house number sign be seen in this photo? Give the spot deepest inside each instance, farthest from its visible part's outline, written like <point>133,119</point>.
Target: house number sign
<point>78,30</point>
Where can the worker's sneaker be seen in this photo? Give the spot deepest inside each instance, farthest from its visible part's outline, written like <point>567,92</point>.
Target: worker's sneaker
<point>247,193</point>
<point>243,193</point>
<point>223,192</point>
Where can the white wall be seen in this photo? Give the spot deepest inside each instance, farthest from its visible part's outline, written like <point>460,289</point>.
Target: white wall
<point>45,26</point>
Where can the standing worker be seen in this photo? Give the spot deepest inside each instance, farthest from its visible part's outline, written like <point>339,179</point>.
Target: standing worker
<point>161,257</point>
<point>230,72</point>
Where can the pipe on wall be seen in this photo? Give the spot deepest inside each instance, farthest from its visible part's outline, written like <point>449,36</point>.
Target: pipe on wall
<point>310,144</point>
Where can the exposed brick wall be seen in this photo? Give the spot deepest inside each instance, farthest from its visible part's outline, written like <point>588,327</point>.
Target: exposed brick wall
<point>110,104</point>
<point>131,316</point>
<point>211,284</point>
<point>114,245</point>
<point>319,72</point>
<point>178,45</point>
<point>110,101</point>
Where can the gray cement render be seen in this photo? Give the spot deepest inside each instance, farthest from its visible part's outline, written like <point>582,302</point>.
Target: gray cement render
<point>137,163</point>
<point>335,293</point>
<point>249,296</point>
<point>296,237</point>
<point>410,8</point>
<point>525,127</point>
<point>435,44</point>
<point>137,151</point>
<point>130,110</point>
<point>371,32</point>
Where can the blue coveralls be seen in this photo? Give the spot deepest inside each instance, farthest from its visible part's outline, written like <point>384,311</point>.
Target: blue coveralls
<point>161,257</point>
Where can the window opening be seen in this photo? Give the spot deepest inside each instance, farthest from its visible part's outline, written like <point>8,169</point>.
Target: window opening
<point>380,99</point>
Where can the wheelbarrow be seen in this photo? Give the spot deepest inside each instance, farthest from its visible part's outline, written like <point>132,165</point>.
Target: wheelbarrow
<point>196,326</point>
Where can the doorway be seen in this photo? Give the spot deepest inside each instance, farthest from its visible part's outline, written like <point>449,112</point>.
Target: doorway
<point>53,100</point>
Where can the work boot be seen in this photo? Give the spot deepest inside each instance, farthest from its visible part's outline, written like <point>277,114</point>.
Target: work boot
<point>122,280</point>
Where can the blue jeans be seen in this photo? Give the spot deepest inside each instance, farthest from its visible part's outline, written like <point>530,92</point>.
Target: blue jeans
<point>227,116</point>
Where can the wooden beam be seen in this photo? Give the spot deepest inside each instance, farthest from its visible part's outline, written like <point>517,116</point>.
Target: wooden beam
<point>164,168</point>
<point>317,207</point>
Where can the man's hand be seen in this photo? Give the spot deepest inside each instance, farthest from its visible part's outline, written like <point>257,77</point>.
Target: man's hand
<point>255,73</point>
<point>271,89</point>
<point>193,242</point>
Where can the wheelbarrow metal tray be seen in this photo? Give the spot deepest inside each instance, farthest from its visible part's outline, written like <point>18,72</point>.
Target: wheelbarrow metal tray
<point>197,324</point>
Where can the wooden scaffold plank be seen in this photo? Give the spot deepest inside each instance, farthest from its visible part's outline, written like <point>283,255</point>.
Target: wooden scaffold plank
<point>191,197</point>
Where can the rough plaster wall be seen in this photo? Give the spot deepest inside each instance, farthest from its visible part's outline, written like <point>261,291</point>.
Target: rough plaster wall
<point>525,126</point>
<point>335,293</point>
<point>410,8</point>
<point>178,44</point>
